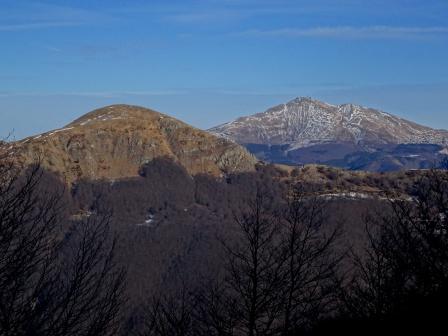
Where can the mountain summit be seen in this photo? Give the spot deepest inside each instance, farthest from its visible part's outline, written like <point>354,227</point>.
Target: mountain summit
<point>115,141</point>
<point>305,130</point>
<point>305,122</point>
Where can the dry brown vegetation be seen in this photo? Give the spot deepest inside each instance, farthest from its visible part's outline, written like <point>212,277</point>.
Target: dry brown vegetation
<point>113,142</point>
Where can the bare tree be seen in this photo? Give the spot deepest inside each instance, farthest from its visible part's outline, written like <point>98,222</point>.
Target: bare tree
<point>53,281</point>
<point>89,294</point>
<point>311,261</point>
<point>378,283</point>
<point>281,270</point>
<point>214,310</point>
<point>171,315</point>
<point>280,262</point>
<point>254,265</point>
<point>416,231</point>
<point>403,273</point>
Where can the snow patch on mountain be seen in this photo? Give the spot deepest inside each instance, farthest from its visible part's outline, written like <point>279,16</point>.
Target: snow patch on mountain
<point>305,122</point>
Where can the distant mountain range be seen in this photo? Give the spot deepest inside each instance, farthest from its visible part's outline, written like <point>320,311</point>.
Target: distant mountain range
<point>350,136</point>
<point>116,141</point>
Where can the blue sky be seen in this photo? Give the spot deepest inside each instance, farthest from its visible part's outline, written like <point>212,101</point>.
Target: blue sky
<point>210,61</point>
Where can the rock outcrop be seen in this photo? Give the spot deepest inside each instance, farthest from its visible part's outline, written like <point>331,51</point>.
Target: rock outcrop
<point>115,141</point>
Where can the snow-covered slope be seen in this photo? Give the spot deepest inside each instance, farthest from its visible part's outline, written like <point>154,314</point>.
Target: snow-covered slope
<point>305,122</point>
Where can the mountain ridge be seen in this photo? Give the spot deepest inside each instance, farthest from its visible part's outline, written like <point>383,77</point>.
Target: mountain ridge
<point>115,141</point>
<point>304,121</point>
<point>289,133</point>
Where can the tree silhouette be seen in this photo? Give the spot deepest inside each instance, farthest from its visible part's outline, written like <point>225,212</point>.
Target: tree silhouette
<point>171,315</point>
<point>310,262</point>
<point>279,270</point>
<point>403,273</point>
<point>254,266</point>
<point>56,277</point>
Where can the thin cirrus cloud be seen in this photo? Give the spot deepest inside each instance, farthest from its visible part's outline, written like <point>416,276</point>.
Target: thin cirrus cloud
<point>21,16</point>
<point>97,94</point>
<point>37,25</point>
<point>351,32</point>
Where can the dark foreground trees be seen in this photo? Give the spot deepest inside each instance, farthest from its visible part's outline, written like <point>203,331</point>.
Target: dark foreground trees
<point>55,278</point>
<point>400,282</point>
<point>59,277</point>
<point>279,270</point>
<point>254,268</point>
<point>284,274</point>
<point>312,260</point>
<point>173,315</point>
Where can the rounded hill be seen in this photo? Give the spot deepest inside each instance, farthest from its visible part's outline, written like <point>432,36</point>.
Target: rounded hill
<point>115,141</point>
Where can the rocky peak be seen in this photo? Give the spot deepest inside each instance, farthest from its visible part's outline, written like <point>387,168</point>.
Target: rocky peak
<point>309,102</point>
<point>304,122</point>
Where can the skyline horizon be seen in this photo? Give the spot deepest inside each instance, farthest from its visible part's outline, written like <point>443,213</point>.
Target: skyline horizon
<point>210,61</point>
<point>79,114</point>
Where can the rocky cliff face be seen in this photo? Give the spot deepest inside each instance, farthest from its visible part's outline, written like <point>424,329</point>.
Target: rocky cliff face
<point>115,141</point>
<point>304,122</point>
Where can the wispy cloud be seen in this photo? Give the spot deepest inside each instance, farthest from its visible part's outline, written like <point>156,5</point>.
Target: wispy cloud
<point>97,94</point>
<point>20,16</point>
<point>37,25</point>
<point>351,32</point>
<point>221,11</point>
<point>200,17</point>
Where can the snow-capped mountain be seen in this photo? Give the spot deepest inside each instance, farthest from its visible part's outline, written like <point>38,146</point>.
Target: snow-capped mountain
<point>304,122</point>
<point>291,132</point>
